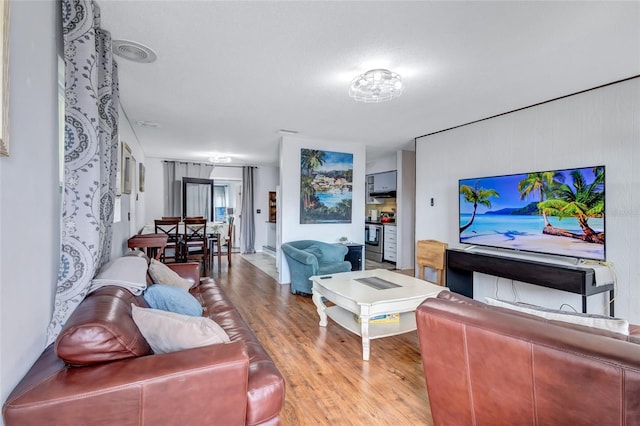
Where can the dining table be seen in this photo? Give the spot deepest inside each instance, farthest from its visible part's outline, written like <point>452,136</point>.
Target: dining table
<point>216,233</point>
<point>152,244</point>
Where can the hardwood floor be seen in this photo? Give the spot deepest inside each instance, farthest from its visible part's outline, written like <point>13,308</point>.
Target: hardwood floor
<point>327,382</point>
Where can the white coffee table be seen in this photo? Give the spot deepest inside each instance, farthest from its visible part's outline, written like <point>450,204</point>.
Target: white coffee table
<point>382,292</point>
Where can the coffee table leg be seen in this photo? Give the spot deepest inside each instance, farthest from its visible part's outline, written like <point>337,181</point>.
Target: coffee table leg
<point>320,306</point>
<point>364,332</point>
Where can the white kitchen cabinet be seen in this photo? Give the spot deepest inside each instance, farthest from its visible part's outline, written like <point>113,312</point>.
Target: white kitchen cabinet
<point>384,182</point>
<point>390,243</point>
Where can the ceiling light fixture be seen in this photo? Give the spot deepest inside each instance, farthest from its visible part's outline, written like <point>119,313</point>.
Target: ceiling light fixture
<point>220,159</point>
<point>377,85</point>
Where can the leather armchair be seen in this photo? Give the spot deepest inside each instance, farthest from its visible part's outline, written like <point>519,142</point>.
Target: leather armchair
<point>309,257</point>
<point>489,365</point>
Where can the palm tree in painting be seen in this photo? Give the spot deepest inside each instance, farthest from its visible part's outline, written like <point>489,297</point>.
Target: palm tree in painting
<point>306,191</point>
<point>312,159</point>
<point>539,184</point>
<point>581,200</point>
<point>476,195</point>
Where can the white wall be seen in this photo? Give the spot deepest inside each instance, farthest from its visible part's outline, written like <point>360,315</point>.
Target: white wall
<point>289,227</point>
<point>29,197</point>
<point>601,126</point>
<point>132,206</point>
<point>384,164</point>
<point>154,190</point>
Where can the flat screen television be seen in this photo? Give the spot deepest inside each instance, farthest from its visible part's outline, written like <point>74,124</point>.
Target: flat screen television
<point>556,212</point>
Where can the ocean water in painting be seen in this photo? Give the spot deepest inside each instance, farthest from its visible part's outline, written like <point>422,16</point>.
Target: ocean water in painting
<point>333,198</point>
<point>489,224</point>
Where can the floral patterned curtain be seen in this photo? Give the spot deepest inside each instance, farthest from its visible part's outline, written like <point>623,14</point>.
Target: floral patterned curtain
<point>90,156</point>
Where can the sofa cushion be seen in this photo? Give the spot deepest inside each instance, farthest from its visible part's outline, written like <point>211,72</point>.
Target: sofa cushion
<point>602,322</point>
<point>161,273</point>
<point>170,332</point>
<point>91,335</point>
<point>172,299</point>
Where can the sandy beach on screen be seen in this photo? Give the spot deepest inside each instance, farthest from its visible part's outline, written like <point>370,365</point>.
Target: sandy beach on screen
<point>540,243</point>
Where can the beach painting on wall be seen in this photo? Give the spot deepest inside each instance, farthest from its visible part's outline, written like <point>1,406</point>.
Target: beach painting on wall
<point>557,212</point>
<point>326,186</point>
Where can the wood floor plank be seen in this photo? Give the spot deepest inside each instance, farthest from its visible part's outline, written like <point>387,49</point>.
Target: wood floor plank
<point>327,382</point>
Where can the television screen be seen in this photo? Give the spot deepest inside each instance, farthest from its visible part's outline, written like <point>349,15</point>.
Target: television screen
<point>558,212</point>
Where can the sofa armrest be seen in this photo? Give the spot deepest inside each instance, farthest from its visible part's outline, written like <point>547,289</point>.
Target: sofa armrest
<point>188,270</point>
<point>206,385</point>
<point>333,253</point>
<point>302,256</point>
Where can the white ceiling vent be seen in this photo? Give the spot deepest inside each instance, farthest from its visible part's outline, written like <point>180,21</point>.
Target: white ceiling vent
<point>133,51</point>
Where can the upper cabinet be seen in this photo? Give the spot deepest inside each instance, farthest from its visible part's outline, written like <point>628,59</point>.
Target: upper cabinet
<point>381,185</point>
<point>384,182</point>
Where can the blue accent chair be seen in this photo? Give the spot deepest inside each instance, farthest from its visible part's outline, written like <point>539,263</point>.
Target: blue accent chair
<point>309,257</point>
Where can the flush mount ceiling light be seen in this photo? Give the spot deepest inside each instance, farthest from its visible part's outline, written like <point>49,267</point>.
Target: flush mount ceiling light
<point>220,159</point>
<point>376,86</point>
<point>133,51</point>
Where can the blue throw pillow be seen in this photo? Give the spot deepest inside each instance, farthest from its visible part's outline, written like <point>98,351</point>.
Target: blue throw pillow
<point>173,299</point>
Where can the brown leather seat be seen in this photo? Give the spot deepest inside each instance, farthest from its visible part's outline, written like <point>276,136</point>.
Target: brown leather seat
<point>493,366</point>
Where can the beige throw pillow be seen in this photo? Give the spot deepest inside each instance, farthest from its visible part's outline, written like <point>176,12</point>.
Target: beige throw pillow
<point>162,274</point>
<point>170,332</point>
<point>615,325</point>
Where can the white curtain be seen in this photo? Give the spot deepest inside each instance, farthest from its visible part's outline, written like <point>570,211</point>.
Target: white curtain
<point>174,171</point>
<point>247,223</point>
<point>90,156</point>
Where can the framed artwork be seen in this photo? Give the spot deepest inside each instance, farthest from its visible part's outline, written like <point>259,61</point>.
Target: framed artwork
<point>141,177</point>
<point>326,186</point>
<point>127,165</point>
<point>4,72</point>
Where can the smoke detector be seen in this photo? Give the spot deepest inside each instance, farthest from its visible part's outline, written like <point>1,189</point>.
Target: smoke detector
<point>133,51</point>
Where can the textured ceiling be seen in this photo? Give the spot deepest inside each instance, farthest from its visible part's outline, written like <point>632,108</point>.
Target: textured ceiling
<point>229,75</point>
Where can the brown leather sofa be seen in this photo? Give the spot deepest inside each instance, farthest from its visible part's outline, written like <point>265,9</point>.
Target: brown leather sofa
<point>487,365</point>
<point>227,384</point>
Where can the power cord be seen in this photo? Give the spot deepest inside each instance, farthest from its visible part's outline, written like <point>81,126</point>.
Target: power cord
<point>570,306</point>
<point>515,291</point>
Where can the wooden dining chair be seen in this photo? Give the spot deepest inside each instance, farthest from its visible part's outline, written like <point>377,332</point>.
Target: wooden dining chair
<point>227,242</point>
<point>178,218</point>
<point>431,254</point>
<point>194,241</point>
<point>171,228</point>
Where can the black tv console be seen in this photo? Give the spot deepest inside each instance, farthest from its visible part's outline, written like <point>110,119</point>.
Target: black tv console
<point>579,280</point>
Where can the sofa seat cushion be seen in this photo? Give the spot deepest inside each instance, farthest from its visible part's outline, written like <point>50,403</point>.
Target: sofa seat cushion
<point>333,268</point>
<point>266,387</point>
<point>92,336</point>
